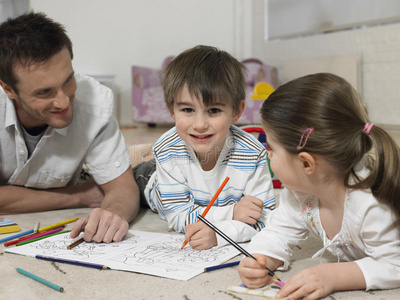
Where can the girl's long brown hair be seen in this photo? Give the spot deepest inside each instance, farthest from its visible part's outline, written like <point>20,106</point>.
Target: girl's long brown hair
<point>330,105</point>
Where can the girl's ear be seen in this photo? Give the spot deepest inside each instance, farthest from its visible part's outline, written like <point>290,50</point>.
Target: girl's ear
<point>238,114</point>
<point>308,163</point>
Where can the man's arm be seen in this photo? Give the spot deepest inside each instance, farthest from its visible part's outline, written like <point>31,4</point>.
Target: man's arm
<point>119,207</point>
<point>16,199</point>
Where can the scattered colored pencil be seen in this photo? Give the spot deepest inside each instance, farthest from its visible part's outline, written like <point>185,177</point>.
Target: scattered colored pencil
<point>210,204</point>
<point>234,244</point>
<point>16,236</point>
<point>36,229</point>
<point>73,262</point>
<point>57,224</point>
<point>41,280</point>
<point>76,243</point>
<point>41,238</point>
<point>235,263</point>
<point>36,235</point>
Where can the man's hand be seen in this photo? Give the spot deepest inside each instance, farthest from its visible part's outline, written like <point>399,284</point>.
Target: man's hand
<point>248,210</point>
<point>200,236</point>
<point>101,226</point>
<point>119,206</point>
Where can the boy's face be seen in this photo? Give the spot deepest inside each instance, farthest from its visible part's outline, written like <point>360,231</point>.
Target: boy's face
<point>46,92</point>
<point>203,128</point>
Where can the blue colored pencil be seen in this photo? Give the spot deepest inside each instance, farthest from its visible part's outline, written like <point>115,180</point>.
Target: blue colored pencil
<point>16,235</point>
<point>73,262</point>
<point>235,263</point>
<point>41,280</point>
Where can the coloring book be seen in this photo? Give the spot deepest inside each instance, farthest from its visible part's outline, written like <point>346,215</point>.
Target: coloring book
<point>142,252</point>
<point>268,291</point>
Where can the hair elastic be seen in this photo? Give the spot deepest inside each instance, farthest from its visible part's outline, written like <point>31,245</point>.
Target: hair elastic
<point>368,127</point>
<point>308,132</point>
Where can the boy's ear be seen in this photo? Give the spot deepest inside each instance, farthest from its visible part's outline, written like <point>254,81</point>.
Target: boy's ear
<point>307,162</point>
<point>171,112</point>
<point>8,90</point>
<point>238,114</point>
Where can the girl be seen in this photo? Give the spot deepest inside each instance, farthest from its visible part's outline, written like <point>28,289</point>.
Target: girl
<point>342,182</point>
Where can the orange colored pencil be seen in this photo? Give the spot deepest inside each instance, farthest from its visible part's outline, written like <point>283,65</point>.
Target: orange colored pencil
<point>76,243</point>
<point>210,204</point>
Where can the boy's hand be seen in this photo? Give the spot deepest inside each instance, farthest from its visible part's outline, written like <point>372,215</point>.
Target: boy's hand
<point>253,272</point>
<point>200,236</point>
<point>248,210</point>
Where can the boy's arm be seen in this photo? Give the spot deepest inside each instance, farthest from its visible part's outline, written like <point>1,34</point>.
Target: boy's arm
<point>258,190</point>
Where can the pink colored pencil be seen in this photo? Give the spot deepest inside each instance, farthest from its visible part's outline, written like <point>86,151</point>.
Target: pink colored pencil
<point>34,236</point>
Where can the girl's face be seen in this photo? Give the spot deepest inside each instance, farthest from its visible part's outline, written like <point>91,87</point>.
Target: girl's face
<point>286,166</point>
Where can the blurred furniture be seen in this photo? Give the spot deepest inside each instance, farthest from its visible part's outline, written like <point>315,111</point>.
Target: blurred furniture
<point>148,98</point>
<point>259,133</point>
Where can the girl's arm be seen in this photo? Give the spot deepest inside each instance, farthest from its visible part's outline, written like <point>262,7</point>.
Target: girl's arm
<point>321,280</point>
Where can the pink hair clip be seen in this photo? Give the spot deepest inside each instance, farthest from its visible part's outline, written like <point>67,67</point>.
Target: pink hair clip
<point>368,127</point>
<point>308,132</point>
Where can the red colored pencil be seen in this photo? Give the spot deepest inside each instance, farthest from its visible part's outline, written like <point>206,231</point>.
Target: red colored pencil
<point>210,204</point>
<point>33,236</point>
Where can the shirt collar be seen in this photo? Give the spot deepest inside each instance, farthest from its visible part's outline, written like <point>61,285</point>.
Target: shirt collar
<point>11,115</point>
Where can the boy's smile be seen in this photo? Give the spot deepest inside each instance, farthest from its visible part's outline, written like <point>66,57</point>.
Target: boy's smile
<point>204,128</point>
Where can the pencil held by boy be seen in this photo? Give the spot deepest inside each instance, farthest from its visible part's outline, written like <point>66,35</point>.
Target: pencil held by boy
<point>204,90</point>
<point>342,182</point>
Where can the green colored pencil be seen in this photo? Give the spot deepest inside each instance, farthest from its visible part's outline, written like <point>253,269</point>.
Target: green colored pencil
<point>41,280</point>
<point>41,238</point>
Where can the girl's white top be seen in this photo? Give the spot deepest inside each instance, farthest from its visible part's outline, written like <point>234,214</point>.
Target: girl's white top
<point>368,236</point>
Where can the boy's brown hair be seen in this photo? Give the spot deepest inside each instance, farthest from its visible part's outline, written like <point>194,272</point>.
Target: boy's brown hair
<point>213,74</point>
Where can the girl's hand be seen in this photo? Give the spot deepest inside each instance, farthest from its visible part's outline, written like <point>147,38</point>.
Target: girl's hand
<point>248,210</point>
<point>321,280</point>
<point>200,236</point>
<point>253,272</point>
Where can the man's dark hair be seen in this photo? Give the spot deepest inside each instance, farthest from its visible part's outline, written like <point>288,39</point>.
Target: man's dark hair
<point>29,39</point>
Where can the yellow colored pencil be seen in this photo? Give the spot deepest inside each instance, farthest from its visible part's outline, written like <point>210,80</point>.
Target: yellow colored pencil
<point>57,224</point>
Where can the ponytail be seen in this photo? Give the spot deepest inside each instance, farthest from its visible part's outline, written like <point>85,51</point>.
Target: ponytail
<point>384,177</point>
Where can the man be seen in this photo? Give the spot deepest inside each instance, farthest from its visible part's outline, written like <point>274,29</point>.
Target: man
<point>52,121</point>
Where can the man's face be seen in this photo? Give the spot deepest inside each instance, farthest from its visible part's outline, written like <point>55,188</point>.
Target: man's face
<point>46,92</point>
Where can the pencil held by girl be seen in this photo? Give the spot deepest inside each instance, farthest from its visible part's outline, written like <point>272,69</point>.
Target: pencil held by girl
<point>342,182</point>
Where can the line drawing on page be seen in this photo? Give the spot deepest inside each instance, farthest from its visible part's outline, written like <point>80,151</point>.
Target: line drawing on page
<point>142,252</point>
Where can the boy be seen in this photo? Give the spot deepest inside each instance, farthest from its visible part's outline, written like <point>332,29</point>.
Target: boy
<point>204,91</point>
